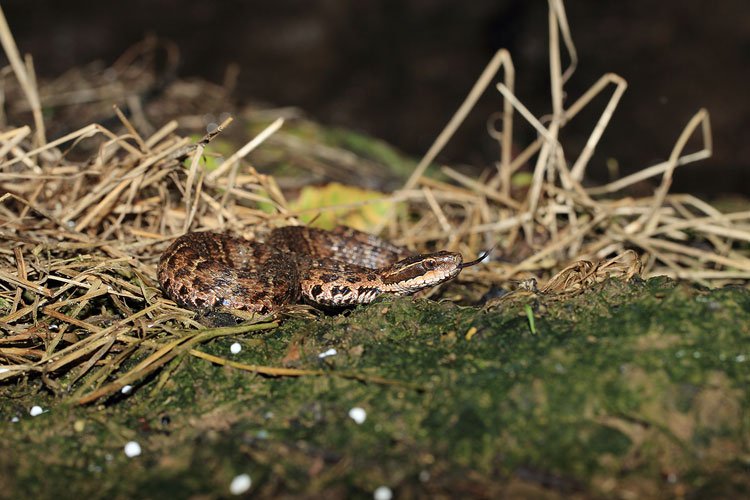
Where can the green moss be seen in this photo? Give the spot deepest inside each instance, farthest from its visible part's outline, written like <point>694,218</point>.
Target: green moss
<point>620,388</point>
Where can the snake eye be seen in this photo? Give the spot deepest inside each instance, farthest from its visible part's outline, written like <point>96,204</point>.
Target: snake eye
<point>430,264</point>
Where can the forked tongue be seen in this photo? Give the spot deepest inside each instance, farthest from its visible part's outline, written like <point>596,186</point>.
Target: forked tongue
<point>478,260</point>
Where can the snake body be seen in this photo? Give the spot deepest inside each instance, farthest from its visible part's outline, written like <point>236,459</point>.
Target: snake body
<point>211,271</point>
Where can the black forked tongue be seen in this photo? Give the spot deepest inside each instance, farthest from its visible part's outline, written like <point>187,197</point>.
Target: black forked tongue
<point>480,259</point>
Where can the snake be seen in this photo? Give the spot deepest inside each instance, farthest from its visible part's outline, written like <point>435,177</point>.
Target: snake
<point>208,271</point>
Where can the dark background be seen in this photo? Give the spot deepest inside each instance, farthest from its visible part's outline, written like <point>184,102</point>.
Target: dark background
<point>399,68</point>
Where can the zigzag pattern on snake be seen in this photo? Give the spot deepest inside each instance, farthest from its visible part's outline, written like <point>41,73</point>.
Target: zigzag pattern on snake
<point>212,271</point>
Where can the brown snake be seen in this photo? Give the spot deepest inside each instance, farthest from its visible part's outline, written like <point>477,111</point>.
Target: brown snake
<point>211,271</point>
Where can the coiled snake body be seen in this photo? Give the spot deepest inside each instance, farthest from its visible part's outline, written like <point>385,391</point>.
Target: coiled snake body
<point>211,271</point>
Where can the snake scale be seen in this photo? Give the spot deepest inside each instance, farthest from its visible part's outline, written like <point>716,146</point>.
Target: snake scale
<point>212,271</point>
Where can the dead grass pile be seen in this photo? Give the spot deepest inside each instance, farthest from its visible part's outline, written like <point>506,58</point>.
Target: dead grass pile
<point>80,239</point>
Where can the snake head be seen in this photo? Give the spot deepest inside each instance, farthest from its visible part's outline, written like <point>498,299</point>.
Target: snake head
<point>422,271</point>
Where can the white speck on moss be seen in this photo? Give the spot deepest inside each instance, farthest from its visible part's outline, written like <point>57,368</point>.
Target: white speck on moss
<point>382,493</point>
<point>235,348</point>
<point>329,352</point>
<point>359,415</point>
<point>132,449</point>
<point>240,484</point>
<point>35,410</point>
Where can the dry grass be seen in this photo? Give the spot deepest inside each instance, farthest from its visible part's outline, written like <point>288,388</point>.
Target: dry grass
<point>81,238</point>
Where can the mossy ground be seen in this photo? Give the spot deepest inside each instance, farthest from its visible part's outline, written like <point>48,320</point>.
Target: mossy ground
<point>626,390</point>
